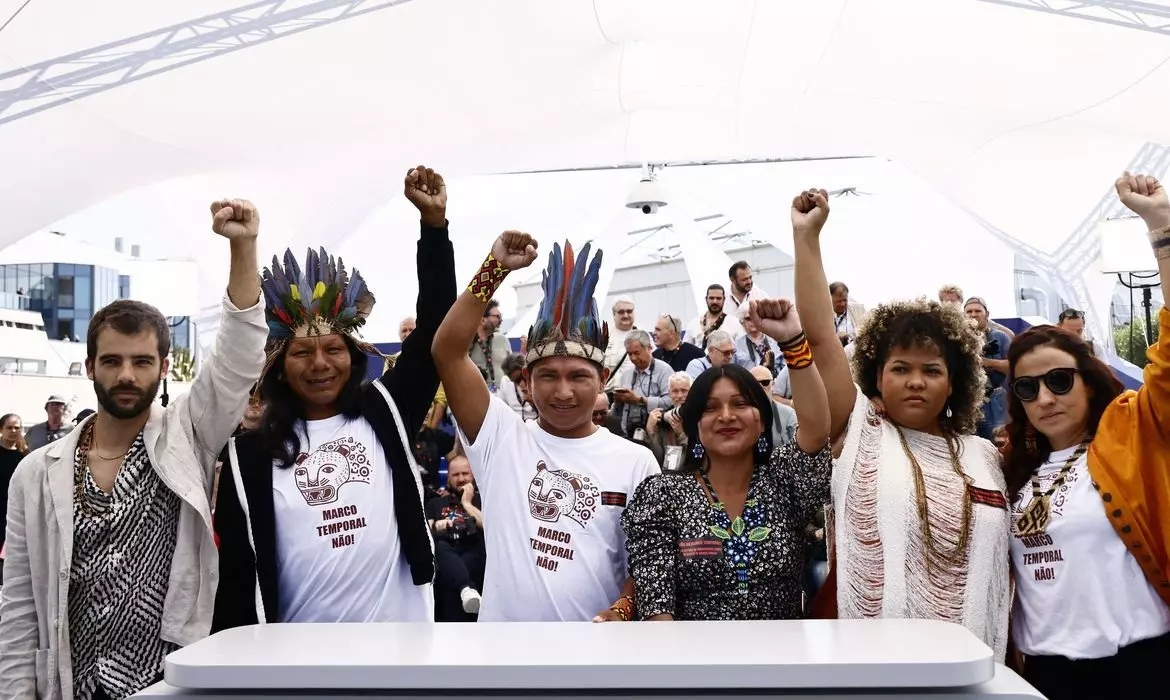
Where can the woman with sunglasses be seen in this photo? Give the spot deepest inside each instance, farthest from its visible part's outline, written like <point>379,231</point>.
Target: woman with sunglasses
<point>1089,470</point>
<point>919,508</point>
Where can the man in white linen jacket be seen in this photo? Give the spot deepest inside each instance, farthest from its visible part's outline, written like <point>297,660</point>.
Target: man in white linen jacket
<point>111,561</point>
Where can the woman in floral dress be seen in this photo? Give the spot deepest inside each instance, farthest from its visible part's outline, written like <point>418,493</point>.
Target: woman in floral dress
<point>723,539</point>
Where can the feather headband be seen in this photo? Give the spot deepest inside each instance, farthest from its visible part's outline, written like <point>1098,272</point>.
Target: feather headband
<point>320,299</point>
<point>567,324</point>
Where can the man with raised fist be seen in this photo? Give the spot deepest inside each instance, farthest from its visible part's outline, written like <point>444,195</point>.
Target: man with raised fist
<point>320,511</point>
<point>553,489</point>
<point>111,559</point>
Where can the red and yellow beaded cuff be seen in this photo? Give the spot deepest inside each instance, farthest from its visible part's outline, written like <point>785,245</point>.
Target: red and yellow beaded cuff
<point>1160,242</point>
<point>624,608</point>
<point>797,352</point>
<point>488,279</point>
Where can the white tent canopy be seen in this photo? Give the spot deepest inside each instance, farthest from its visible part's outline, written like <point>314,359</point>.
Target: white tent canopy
<point>315,107</point>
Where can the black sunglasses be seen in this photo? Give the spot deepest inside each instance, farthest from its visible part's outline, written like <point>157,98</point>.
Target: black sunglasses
<point>1070,314</point>
<point>1059,381</point>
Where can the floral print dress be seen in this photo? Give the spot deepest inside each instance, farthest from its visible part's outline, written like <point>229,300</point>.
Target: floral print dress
<point>689,559</point>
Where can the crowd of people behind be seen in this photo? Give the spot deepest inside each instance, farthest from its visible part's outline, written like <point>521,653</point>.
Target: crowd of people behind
<point>769,459</point>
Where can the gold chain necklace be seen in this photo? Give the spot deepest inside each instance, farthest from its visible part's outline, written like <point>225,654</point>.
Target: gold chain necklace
<point>81,470</point>
<point>923,510</point>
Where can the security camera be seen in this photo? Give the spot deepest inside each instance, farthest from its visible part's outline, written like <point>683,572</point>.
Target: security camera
<point>647,195</point>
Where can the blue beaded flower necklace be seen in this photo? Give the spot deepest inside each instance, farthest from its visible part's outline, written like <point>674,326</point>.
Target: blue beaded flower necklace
<point>741,537</point>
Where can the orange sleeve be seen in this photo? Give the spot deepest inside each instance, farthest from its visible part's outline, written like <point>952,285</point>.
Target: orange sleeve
<point>1154,397</point>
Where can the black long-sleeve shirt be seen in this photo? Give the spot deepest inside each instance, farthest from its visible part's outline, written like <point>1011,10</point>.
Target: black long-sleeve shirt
<point>411,383</point>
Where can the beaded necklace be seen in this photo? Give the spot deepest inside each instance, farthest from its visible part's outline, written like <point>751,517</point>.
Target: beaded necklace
<point>1034,520</point>
<point>741,537</point>
<point>485,346</point>
<point>924,511</point>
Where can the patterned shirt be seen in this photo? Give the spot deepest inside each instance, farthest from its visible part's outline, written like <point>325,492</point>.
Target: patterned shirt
<point>123,543</point>
<point>680,568</point>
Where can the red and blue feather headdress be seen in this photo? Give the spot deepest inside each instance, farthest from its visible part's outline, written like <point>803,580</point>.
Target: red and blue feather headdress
<point>567,324</point>
<point>320,299</point>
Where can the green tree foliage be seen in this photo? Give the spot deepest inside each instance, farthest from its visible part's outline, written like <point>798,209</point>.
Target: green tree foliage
<point>182,365</point>
<point>1130,340</point>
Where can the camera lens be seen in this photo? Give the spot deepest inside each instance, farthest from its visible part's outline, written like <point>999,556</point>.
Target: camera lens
<point>645,208</point>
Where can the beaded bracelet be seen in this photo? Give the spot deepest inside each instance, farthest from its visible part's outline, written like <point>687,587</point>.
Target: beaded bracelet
<point>1160,242</point>
<point>797,352</point>
<point>488,279</point>
<point>624,608</point>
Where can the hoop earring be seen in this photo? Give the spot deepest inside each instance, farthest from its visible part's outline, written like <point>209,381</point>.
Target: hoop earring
<point>1030,440</point>
<point>949,412</point>
<point>697,450</point>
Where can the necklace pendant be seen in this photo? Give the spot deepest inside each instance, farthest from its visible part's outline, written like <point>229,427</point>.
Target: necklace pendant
<point>1034,520</point>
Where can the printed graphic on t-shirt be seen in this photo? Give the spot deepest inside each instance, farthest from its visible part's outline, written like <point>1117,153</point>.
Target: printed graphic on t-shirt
<point>320,477</point>
<point>560,492</point>
<point>1043,558</point>
<point>456,514</point>
<point>559,496</point>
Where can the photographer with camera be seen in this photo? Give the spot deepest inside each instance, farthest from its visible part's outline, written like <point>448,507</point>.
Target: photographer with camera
<point>664,427</point>
<point>641,387</point>
<point>456,521</point>
<point>995,351</point>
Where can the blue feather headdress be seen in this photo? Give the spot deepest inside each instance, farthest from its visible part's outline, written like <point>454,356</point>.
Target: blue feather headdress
<point>567,324</point>
<point>321,299</point>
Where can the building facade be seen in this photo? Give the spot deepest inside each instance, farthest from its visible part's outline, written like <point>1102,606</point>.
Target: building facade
<point>65,294</point>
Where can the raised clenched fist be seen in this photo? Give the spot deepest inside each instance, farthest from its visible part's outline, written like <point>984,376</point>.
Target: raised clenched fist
<point>775,317</point>
<point>235,219</point>
<point>428,193</point>
<point>1146,197</point>
<point>514,250</point>
<point>810,211</point>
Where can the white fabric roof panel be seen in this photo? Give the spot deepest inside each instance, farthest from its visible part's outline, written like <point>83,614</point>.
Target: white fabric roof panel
<point>1021,117</point>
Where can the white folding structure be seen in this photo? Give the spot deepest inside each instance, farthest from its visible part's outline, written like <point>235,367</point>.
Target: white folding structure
<point>1020,112</point>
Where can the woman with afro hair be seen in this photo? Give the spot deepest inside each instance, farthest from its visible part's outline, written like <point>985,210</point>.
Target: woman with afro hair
<point>919,508</point>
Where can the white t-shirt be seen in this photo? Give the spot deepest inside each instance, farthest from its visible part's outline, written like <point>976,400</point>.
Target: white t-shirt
<point>338,555</point>
<point>732,307</point>
<point>556,550</point>
<point>693,331</point>
<point>614,352</point>
<point>1079,592</point>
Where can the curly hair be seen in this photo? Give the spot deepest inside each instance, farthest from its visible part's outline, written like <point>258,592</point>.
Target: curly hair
<point>1020,463</point>
<point>905,324</point>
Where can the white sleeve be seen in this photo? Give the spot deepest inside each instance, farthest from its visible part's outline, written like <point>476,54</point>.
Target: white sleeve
<point>215,403</point>
<point>500,426</point>
<point>646,466</point>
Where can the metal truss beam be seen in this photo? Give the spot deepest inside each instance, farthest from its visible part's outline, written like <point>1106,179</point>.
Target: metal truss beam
<point>1065,267</point>
<point>1083,247</point>
<point>1143,16</point>
<point>51,83</point>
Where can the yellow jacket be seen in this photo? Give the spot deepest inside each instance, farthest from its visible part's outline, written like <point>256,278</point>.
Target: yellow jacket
<point>1129,461</point>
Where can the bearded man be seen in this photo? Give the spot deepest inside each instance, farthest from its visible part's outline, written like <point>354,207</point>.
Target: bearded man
<point>111,561</point>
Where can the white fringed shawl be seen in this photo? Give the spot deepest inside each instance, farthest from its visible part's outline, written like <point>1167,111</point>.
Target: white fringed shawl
<point>881,557</point>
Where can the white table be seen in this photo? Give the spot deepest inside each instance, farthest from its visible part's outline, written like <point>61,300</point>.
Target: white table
<point>855,658</point>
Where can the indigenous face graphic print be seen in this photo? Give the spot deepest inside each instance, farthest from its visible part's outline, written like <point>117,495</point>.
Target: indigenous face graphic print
<point>335,463</point>
<point>556,493</point>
